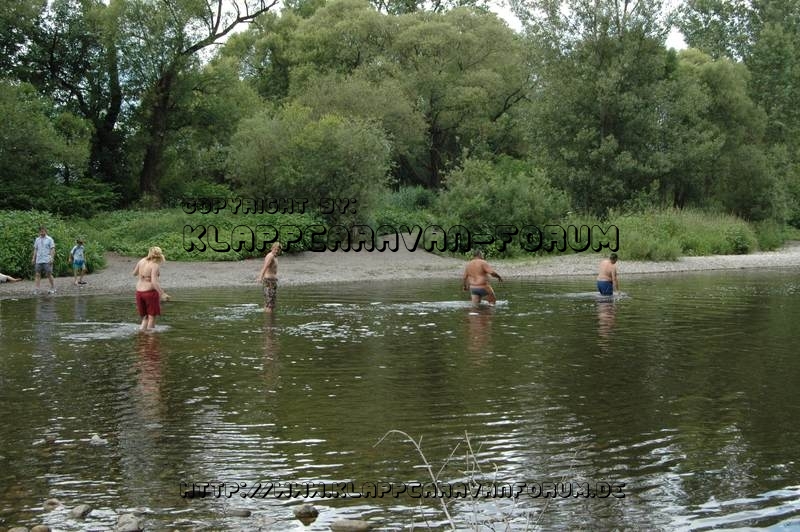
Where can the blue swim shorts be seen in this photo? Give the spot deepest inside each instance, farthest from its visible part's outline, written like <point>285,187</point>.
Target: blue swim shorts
<point>606,288</point>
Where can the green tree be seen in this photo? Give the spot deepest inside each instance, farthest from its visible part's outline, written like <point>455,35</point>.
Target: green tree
<point>293,155</point>
<point>384,102</point>
<point>735,172</point>
<point>460,74</point>
<point>73,58</point>
<point>162,42</point>
<point>19,20</point>
<point>263,53</point>
<point>196,158</point>
<point>482,195</point>
<point>37,154</point>
<point>467,72</point>
<point>765,37</point>
<point>597,110</point>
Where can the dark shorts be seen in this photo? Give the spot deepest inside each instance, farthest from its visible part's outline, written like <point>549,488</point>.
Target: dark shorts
<point>78,264</point>
<point>480,292</point>
<point>44,268</point>
<point>148,303</point>
<point>270,292</point>
<point>606,288</point>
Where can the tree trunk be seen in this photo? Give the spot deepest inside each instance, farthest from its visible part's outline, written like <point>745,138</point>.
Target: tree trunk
<point>435,156</point>
<point>157,131</point>
<point>106,156</point>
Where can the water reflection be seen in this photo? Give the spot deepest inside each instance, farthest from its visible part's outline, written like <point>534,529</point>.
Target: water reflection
<point>479,322</point>
<point>148,394</point>
<point>80,308</point>
<point>606,321</point>
<point>271,352</point>
<point>46,319</point>
<point>700,400</point>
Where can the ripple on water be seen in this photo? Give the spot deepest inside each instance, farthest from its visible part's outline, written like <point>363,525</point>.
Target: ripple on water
<point>90,331</point>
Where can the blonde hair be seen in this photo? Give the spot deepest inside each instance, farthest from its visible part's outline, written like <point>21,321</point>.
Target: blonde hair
<point>276,246</point>
<point>156,254</point>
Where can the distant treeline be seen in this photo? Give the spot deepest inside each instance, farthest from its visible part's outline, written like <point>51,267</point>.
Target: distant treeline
<point>137,104</point>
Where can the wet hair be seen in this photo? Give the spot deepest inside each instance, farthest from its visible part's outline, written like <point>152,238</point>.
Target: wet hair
<point>613,257</point>
<point>156,254</point>
<point>477,253</point>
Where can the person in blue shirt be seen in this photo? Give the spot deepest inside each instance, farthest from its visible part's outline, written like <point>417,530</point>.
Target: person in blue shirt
<point>44,251</point>
<point>77,257</point>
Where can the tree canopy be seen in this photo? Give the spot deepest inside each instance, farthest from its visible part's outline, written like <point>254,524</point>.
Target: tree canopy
<point>140,101</point>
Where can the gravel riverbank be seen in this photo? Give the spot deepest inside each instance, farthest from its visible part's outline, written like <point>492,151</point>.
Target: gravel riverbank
<point>340,266</point>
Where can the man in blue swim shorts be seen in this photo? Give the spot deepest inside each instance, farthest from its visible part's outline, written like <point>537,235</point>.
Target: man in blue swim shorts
<point>607,280</point>
<point>476,279</point>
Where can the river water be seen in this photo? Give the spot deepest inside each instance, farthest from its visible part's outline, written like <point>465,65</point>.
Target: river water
<point>675,408</point>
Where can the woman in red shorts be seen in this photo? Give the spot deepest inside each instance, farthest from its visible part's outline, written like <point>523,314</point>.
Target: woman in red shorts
<point>149,293</point>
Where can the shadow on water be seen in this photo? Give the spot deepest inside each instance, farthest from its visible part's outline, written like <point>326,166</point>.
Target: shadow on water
<point>671,392</point>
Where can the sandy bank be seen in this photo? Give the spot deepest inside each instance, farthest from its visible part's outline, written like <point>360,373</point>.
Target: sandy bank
<point>327,267</point>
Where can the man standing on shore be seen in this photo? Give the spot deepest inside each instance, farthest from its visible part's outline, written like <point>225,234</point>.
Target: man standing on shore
<point>44,251</point>
<point>269,277</point>
<point>476,279</point>
<point>607,280</point>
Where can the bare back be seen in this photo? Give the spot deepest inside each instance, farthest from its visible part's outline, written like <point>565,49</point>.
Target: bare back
<point>476,273</point>
<point>607,271</point>
<point>148,273</point>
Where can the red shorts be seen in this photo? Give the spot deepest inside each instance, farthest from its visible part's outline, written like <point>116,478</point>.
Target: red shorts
<point>148,303</point>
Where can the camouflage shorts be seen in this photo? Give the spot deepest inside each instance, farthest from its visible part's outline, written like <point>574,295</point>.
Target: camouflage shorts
<point>270,291</point>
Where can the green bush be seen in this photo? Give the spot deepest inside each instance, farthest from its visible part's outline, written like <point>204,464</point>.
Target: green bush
<point>770,235</point>
<point>18,229</point>
<point>409,198</point>
<point>294,155</point>
<point>483,195</point>
<point>667,234</point>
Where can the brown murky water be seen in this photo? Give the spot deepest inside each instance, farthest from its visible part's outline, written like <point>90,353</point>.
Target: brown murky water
<point>683,397</point>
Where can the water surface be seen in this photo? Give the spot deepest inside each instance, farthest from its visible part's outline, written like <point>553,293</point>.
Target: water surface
<point>686,392</point>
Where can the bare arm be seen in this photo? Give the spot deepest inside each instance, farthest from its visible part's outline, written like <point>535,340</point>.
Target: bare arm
<point>136,269</point>
<point>155,271</point>
<point>490,271</point>
<point>615,279</point>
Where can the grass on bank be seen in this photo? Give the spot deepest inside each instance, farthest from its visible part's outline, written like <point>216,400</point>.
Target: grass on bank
<point>132,233</point>
<point>660,234</point>
<point>667,234</point>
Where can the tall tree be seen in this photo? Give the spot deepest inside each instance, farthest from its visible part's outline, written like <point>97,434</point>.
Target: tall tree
<point>459,75</point>
<point>163,40</point>
<point>72,57</point>
<point>596,108</point>
<point>467,71</point>
<point>765,36</point>
<point>716,138</point>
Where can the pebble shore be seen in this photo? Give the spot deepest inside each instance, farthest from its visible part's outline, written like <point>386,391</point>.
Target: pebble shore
<point>330,267</point>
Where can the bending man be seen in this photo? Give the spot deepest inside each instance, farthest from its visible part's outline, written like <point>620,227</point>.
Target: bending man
<point>476,279</point>
<point>607,280</point>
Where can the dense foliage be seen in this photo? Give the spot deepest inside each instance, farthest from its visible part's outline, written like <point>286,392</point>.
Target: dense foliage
<point>18,230</point>
<point>128,103</point>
